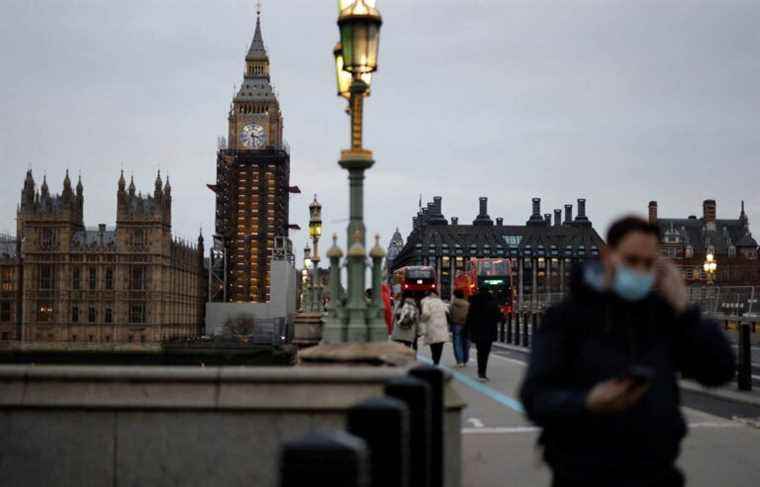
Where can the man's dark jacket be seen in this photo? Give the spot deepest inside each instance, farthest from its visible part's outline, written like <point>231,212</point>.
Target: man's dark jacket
<point>593,337</point>
<point>483,318</point>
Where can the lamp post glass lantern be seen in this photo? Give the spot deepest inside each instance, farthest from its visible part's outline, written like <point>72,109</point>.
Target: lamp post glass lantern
<point>354,319</point>
<point>710,267</point>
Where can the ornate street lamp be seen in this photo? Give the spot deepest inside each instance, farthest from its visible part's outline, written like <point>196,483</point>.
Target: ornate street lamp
<point>306,289</point>
<point>315,231</point>
<point>710,267</point>
<point>355,59</point>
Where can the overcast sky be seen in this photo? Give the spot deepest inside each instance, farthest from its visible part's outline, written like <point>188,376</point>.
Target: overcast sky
<point>620,102</point>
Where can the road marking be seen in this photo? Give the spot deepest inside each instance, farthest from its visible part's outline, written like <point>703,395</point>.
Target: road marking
<point>500,431</point>
<point>476,423</point>
<point>497,396</point>
<point>512,430</point>
<point>512,360</point>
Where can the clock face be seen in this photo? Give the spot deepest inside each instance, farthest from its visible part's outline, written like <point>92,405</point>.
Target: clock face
<point>252,136</point>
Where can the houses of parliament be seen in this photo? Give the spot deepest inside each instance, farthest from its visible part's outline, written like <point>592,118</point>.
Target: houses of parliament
<point>63,282</point>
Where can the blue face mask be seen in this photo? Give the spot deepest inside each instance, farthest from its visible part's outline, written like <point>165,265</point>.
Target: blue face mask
<point>632,285</point>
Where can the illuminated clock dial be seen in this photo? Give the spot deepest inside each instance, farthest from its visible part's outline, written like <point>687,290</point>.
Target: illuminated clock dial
<point>252,136</point>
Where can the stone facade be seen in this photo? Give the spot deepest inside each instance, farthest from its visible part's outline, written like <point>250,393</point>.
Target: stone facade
<point>132,283</point>
<point>688,241</point>
<point>10,288</point>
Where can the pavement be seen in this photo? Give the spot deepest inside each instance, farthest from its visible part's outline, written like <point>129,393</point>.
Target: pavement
<point>722,447</point>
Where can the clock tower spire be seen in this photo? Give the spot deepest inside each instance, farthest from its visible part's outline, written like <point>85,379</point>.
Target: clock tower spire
<point>255,121</point>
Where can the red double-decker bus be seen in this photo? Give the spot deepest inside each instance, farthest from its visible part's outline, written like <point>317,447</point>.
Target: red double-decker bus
<point>417,280</point>
<point>492,274</point>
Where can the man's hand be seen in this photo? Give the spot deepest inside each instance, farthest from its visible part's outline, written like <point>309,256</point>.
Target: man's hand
<point>671,285</point>
<point>614,396</point>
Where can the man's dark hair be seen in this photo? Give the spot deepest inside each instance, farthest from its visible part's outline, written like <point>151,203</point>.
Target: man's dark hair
<point>458,293</point>
<point>627,225</point>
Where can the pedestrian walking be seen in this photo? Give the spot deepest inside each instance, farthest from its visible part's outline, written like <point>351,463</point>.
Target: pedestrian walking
<point>435,324</point>
<point>603,375</point>
<point>482,325</point>
<point>406,321</point>
<point>457,318</point>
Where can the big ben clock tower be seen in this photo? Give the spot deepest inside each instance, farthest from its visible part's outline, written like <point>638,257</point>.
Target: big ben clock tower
<point>252,183</point>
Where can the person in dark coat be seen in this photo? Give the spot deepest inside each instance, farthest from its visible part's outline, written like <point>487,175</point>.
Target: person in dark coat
<point>602,381</point>
<point>482,326</point>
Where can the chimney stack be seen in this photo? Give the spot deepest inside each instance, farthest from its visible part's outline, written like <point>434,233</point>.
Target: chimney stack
<point>537,207</point>
<point>500,222</point>
<point>557,217</point>
<point>548,219</point>
<point>710,210</point>
<point>568,214</point>
<point>581,210</point>
<point>483,218</point>
<point>652,212</point>
<point>454,220</point>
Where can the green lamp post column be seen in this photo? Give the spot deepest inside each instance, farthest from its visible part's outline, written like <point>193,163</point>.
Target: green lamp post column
<point>377,329</point>
<point>334,329</point>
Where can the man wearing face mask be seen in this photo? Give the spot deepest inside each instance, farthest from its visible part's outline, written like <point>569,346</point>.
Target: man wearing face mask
<point>603,376</point>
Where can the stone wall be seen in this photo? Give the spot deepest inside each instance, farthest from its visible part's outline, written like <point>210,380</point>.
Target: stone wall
<point>167,426</point>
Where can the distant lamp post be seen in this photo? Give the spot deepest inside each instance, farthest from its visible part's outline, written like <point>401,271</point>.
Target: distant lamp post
<point>315,232</point>
<point>355,60</point>
<point>306,288</point>
<point>710,266</point>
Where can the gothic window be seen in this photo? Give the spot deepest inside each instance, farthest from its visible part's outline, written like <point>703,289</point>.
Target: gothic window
<point>732,251</point>
<point>139,238</point>
<point>92,314</point>
<point>93,278</point>
<point>137,279</point>
<point>109,279</point>
<point>47,238</point>
<point>689,252</point>
<point>137,313</point>
<point>76,279</point>
<point>47,277</point>
<point>109,314</point>
<point>45,311</point>
<point>6,279</point>
<point>75,314</point>
<point>5,311</point>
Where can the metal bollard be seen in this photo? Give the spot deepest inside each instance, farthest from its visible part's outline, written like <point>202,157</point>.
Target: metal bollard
<point>744,366</point>
<point>383,423</point>
<point>502,332</point>
<point>509,328</point>
<point>533,329</point>
<point>416,394</point>
<point>525,330</point>
<point>338,456</point>
<point>436,379</point>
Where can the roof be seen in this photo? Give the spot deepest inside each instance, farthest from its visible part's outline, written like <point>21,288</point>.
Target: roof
<point>567,240</point>
<point>7,248</point>
<point>93,238</point>
<point>257,51</point>
<point>693,232</point>
<point>256,90</point>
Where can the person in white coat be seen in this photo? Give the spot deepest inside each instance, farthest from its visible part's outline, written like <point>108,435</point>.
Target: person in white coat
<point>435,324</point>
